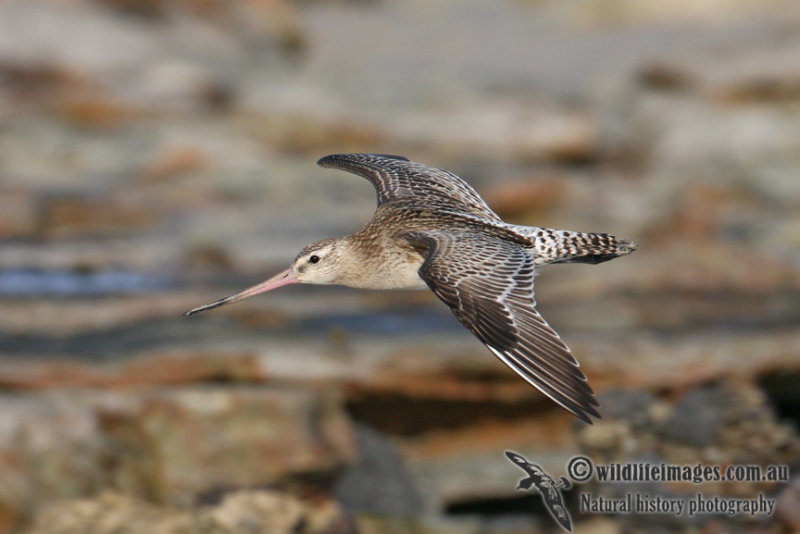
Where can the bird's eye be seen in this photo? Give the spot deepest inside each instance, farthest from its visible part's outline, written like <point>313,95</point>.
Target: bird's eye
<point>313,259</point>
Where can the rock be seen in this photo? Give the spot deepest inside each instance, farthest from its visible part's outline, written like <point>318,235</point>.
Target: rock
<point>268,512</point>
<point>699,416</point>
<point>523,131</point>
<point>69,216</point>
<point>652,13</point>
<point>631,405</point>
<point>685,361</point>
<point>597,525</point>
<point>762,74</point>
<point>663,76</point>
<point>378,483</point>
<point>175,445</point>
<point>466,463</point>
<point>175,162</point>
<point>255,511</point>
<point>720,424</point>
<point>306,134</point>
<point>166,445</point>
<point>424,525</point>
<point>533,198</point>
<point>18,214</point>
<point>93,111</point>
<point>31,80</point>
<point>49,449</point>
<point>787,509</point>
<point>207,257</point>
<point>761,88</point>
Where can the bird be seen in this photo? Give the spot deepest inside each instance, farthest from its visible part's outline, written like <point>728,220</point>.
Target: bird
<point>548,487</point>
<point>431,229</point>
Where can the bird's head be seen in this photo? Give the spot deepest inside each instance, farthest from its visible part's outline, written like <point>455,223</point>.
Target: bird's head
<point>318,263</point>
<point>315,264</point>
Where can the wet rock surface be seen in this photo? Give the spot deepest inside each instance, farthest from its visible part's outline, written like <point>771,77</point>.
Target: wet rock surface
<point>158,155</point>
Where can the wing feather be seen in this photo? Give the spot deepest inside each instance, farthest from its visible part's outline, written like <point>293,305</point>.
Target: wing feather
<point>396,177</point>
<point>488,284</point>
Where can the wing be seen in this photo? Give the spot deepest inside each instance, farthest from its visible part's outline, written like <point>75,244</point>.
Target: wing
<point>488,284</point>
<point>396,177</point>
<point>518,460</point>
<point>555,505</point>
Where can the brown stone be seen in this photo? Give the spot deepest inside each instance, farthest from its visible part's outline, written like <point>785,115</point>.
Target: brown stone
<point>175,162</point>
<point>761,89</point>
<point>534,197</point>
<point>665,76</point>
<point>17,214</point>
<point>720,423</point>
<point>178,443</point>
<point>467,463</point>
<point>307,134</point>
<point>787,509</point>
<point>93,111</point>
<point>700,212</point>
<point>32,79</point>
<point>686,362</point>
<point>167,445</point>
<point>257,512</point>
<point>73,216</point>
<point>207,257</point>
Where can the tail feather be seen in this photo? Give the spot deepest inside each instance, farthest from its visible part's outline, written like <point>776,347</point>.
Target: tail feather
<point>596,248</point>
<point>564,246</point>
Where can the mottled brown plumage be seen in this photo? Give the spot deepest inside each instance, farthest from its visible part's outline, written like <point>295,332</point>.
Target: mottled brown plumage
<point>432,229</point>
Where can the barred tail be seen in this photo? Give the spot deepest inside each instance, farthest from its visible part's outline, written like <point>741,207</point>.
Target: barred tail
<point>593,248</point>
<point>564,246</point>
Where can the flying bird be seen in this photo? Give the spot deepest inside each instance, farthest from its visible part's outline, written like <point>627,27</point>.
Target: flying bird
<point>548,487</point>
<point>432,229</point>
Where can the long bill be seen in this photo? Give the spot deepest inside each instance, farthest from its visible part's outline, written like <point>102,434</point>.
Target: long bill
<point>283,278</point>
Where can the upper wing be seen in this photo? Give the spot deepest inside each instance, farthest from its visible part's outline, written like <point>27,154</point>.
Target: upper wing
<point>519,460</point>
<point>488,284</point>
<point>396,177</point>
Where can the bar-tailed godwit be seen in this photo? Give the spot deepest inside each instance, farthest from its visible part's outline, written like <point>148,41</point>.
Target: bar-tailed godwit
<point>431,229</point>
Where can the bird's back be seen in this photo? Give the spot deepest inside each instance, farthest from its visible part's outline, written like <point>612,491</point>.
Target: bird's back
<point>438,215</point>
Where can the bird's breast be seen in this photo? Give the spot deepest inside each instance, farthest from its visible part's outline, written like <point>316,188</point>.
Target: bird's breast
<point>395,268</point>
<point>406,274</point>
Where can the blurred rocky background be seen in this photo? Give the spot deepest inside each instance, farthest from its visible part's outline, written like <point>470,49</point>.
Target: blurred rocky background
<point>156,155</point>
